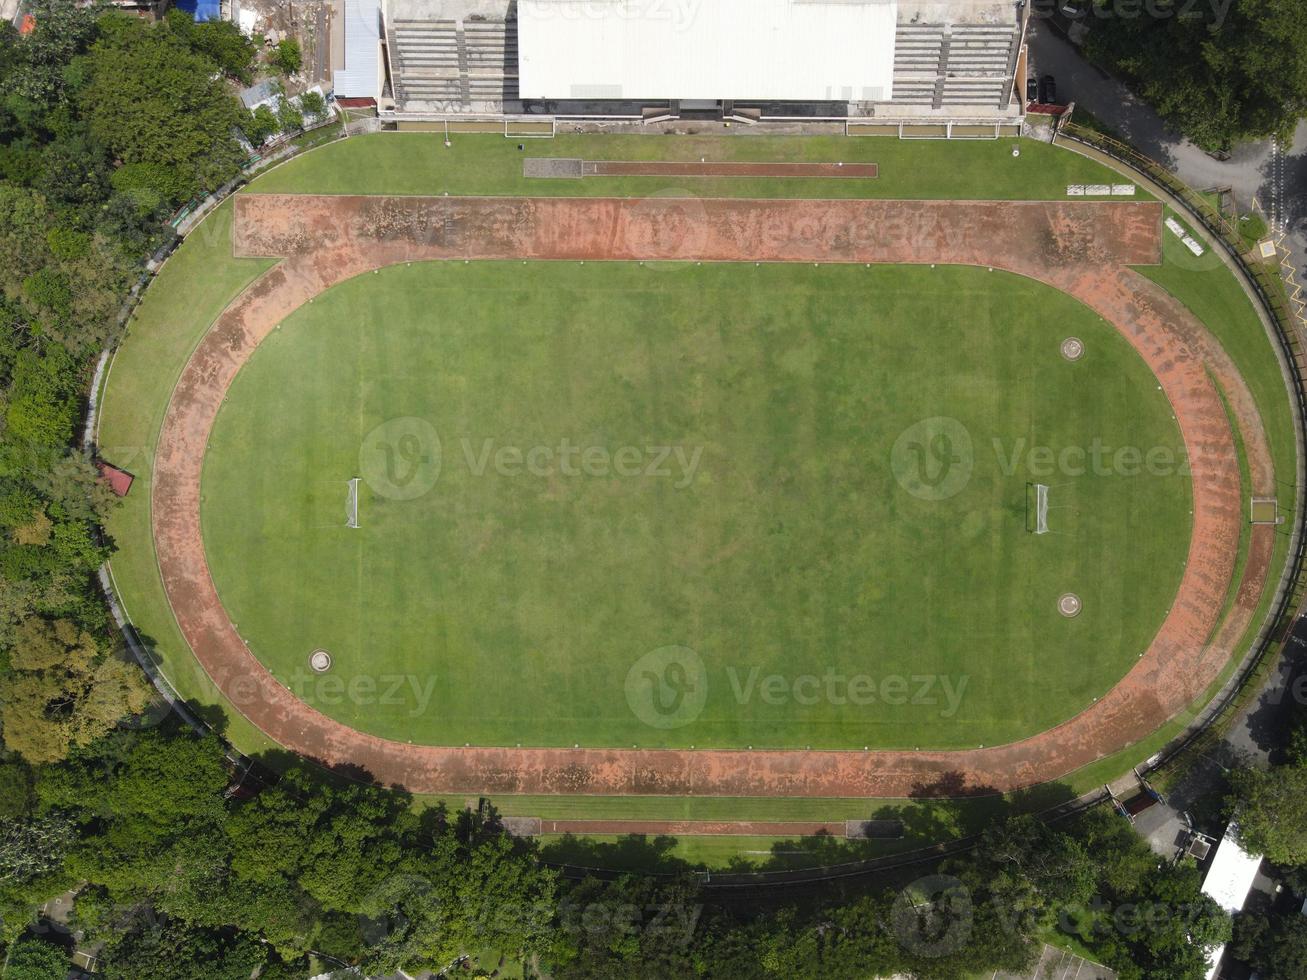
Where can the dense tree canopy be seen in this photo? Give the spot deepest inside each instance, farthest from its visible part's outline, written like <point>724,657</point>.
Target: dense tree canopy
<point>1220,75</point>
<point>35,959</point>
<point>150,98</point>
<point>1272,811</point>
<point>107,123</point>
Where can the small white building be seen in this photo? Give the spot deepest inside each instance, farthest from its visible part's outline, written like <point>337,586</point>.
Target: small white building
<point>1229,880</point>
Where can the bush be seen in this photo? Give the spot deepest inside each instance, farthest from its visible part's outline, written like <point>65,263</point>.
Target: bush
<point>289,117</point>
<point>286,57</point>
<point>1252,227</point>
<point>151,184</point>
<point>67,244</point>
<point>313,104</point>
<point>260,125</point>
<point>49,290</point>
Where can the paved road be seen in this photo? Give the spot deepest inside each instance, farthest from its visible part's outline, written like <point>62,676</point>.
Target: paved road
<point>1252,170</point>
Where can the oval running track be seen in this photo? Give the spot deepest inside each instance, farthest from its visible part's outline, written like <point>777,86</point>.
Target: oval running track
<point>1082,248</point>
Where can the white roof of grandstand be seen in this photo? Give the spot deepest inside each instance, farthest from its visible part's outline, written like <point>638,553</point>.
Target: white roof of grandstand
<point>759,50</point>
<point>1229,880</point>
<point>361,76</point>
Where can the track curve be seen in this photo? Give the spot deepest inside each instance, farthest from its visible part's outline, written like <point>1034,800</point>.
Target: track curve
<point>1081,248</point>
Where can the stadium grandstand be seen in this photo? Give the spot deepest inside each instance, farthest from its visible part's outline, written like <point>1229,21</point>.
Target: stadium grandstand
<point>667,59</point>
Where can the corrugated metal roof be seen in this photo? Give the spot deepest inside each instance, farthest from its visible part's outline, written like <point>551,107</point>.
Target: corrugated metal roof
<point>256,94</point>
<point>772,50</point>
<point>361,76</point>
<point>120,481</point>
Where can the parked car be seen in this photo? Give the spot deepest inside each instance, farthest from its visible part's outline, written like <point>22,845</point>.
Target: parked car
<point>1032,90</point>
<point>1048,90</point>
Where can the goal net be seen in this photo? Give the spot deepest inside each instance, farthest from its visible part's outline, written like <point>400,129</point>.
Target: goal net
<point>1041,509</point>
<point>352,504</point>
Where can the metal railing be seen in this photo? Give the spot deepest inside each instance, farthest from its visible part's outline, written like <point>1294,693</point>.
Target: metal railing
<point>1292,587</point>
<point>1270,293</point>
<point>1272,636</point>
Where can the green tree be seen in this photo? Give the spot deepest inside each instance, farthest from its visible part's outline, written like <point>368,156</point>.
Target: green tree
<point>31,958</point>
<point>289,116</point>
<point>645,929</point>
<point>1221,76</point>
<point>221,41</point>
<point>314,105</point>
<point>286,57</point>
<point>33,848</point>
<point>1172,926</point>
<point>24,221</point>
<point>63,692</point>
<point>74,175</point>
<point>149,947</point>
<point>259,125</point>
<point>1279,952</point>
<point>1271,807</point>
<point>42,405</point>
<point>63,29</point>
<point>151,99</point>
<point>152,187</point>
<point>16,790</point>
<point>1026,860</point>
<point>49,290</point>
<point>150,806</point>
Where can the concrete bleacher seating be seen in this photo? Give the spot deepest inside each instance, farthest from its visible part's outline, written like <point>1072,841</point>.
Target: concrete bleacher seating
<point>470,64</point>
<point>941,65</point>
<point>917,48</point>
<point>463,57</point>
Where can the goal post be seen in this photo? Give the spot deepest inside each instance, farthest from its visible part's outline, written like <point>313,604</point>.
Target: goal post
<point>1037,508</point>
<point>352,503</point>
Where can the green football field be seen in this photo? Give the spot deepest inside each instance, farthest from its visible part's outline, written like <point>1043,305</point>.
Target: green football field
<point>815,479</point>
<point>1017,684</point>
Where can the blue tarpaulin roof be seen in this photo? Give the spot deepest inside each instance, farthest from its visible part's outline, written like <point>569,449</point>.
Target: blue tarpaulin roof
<point>201,9</point>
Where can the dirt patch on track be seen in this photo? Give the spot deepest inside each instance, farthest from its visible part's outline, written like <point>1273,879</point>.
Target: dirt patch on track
<point>689,168</point>
<point>1082,248</point>
<point>575,169</point>
<point>694,828</point>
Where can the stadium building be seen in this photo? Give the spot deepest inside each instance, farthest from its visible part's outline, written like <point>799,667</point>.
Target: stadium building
<point>749,60</point>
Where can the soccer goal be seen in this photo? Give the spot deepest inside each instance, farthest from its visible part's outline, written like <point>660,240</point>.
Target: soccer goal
<point>1037,508</point>
<point>352,504</point>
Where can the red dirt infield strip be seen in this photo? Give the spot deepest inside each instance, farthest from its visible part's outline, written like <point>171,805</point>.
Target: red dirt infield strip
<point>692,168</point>
<point>1079,247</point>
<point>694,828</point>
